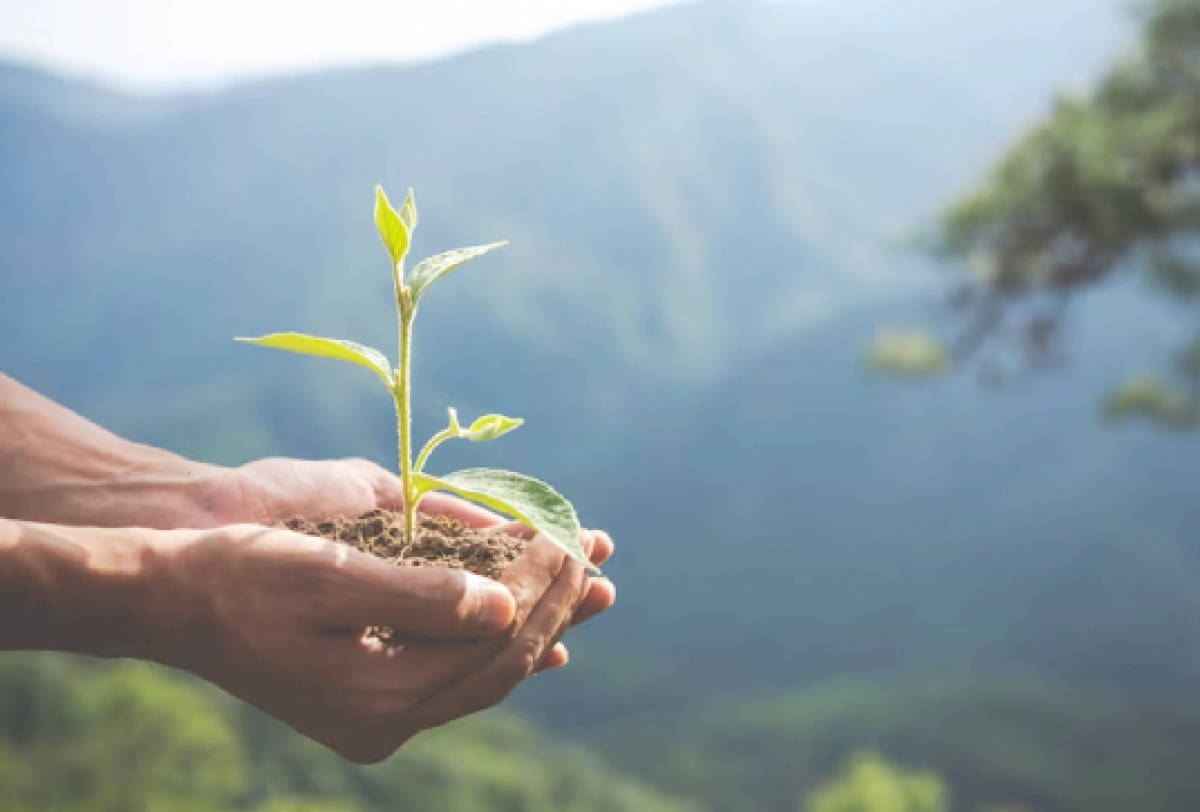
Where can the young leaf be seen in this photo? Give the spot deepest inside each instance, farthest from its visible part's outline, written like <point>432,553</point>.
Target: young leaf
<point>408,213</point>
<point>491,426</point>
<point>395,228</point>
<point>328,348</point>
<point>455,430</point>
<point>488,427</point>
<point>434,268</point>
<point>529,501</point>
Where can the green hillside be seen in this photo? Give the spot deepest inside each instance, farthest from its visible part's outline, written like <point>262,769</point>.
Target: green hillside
<point>77,736</point>
<point>1015,746</point>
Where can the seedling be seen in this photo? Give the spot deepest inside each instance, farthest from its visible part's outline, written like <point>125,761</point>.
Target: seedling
<point>529,501</point>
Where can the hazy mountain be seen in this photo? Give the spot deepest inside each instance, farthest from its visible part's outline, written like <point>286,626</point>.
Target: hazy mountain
<point>680,188</point>
<point>803,521</point>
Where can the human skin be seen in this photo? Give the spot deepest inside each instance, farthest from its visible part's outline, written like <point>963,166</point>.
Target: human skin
<point>277,619</point>
<point>93,560</point>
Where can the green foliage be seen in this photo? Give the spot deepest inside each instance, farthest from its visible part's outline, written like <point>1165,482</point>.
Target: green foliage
<point>526,499</point>
<point>868,783</point>
<point>1106,184</point>
<point>127,737</point>
<point>1012,744</point>
<point>1150,397</point>
<point>907,353</point>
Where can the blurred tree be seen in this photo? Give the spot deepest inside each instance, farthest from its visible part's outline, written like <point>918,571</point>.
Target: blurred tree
<point>129,740</point>
<point>1108,185</point>
<point>86,736</point>
<point>868,783</point>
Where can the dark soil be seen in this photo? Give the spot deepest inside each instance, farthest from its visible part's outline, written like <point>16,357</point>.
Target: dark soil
<point>441,541</point>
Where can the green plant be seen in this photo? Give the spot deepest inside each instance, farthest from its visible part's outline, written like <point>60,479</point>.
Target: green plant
<point>528,500</point>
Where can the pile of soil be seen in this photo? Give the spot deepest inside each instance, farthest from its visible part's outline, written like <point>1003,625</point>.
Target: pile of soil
<point>441,541</point>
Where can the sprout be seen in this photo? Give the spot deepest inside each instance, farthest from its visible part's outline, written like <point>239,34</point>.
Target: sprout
<point>527,500</point>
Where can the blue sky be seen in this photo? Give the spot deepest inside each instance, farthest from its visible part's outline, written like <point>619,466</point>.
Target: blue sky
<point>156,46</point>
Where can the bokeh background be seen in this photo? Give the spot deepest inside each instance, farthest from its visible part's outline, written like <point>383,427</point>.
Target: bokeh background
<point>843,589</point>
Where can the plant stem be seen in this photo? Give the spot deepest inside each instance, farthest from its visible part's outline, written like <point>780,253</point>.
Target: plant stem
<point>404,413</point>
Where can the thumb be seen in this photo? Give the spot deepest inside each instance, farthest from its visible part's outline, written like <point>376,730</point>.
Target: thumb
<point>424,601</point>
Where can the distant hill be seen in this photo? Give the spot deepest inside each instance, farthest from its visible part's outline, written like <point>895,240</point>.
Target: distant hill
<point>803,521</point>
<point>681,188</point>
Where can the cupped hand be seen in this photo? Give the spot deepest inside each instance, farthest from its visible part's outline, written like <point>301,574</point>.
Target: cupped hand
<point>278,621</point>
<point>275,489</point>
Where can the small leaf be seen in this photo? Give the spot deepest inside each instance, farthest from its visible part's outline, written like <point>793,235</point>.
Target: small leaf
<point>455,428</point>
<point>434,268</point>
<point>393,227</point>
<point>491,426</point>
<point>328,348</point>
<point>529,501</point>
<point>408,213</point>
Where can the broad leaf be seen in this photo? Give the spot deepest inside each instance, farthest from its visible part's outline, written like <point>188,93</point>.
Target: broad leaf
<point>430,270</point>
<point>395,228</point>
<point>328,348</point>
<point>529,501</point>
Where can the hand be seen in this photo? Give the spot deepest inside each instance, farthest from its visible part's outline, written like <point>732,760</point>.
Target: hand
<point>280,618</point>
<point>274,489</point>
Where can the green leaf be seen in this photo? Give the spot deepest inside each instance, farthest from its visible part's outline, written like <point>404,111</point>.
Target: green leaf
<point>434,268</point>
<point>408,213</point>
<point>395,228</point>
<point>328,348</point>
<point>529,501</point>
<point>489,427</point>
<point>455,430</point>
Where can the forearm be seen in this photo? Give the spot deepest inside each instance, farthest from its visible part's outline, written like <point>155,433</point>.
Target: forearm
<point>88,590</point>
<point>58,467</point>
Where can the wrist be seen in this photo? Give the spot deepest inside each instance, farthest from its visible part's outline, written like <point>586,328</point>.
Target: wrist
<point>162,491</point>
<point>58,468</point>
<point>86,590</point>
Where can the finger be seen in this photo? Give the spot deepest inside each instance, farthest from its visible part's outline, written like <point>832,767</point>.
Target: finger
<point>531,575</point>
<point>424,601</point>
<point>556,657</point>
<point>527,581</point>
<point>601,595</point>
<point>603,547</point>
<point>496,679</point>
